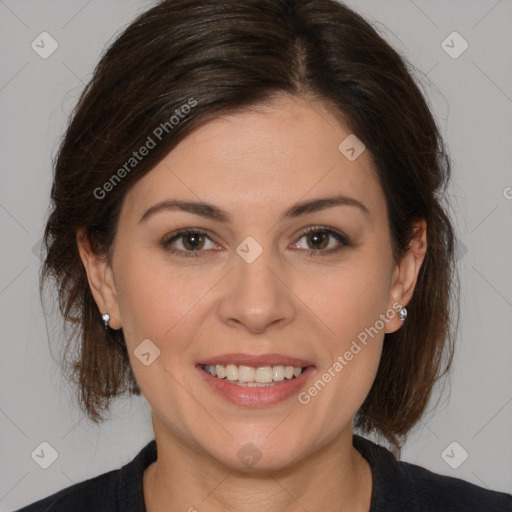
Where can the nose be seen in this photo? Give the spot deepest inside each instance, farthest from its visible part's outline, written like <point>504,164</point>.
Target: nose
<point>257,295</point>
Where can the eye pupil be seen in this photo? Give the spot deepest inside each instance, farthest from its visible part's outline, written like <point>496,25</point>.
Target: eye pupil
<point>196,241</point>
<point>319,236</point>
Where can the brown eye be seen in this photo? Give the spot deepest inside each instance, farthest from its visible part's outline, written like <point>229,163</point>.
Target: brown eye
<point>318,239</point>
<point>188,243</point>
<point>193,241</point>
<point>322,241</point>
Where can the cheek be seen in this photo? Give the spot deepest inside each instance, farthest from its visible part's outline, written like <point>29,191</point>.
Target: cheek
<point>160,301</point>
<point>351,304</point>
<point>349,297</point>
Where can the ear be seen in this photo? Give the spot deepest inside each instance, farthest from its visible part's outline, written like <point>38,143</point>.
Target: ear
<point>405,274</point>
<point>101,280</point>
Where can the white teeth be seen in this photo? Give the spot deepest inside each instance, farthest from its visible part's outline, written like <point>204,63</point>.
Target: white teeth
<point>218,371</point>
<point>263,374</point>
<point>251,376</point>
<point>278,373</point>
<point>245,374</point>
<point>232,372</point>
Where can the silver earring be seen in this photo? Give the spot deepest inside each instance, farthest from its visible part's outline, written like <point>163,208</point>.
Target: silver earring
<point>106,318</point>
<point>402,313</point>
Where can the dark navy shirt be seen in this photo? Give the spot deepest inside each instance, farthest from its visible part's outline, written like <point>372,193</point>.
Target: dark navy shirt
<point>397,487</point>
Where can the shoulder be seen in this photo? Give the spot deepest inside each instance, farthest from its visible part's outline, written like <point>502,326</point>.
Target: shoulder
<point>98,494</point>
<point>400,485</point>
<point>119,489</point>
<point>445,493</point>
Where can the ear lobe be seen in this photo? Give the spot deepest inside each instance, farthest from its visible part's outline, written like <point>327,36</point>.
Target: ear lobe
<point>405,273</point>
<point>100,278</point>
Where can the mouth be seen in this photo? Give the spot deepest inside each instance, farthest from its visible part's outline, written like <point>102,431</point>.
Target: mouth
<point>250,376</point>
<point>255,381</point>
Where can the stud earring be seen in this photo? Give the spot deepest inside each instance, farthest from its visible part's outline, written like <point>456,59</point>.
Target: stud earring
<point>106,318</point>
<point>402,312</point>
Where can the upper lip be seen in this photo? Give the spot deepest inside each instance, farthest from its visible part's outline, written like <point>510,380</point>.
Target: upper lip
<point>256,360</point>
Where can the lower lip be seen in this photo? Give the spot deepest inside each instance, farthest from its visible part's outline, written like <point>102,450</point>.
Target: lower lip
<point>256,396</point>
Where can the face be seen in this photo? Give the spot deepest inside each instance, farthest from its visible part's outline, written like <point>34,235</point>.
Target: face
<point>256,285</point>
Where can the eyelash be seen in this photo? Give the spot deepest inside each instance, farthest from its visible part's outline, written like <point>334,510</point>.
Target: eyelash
<point>340,237</point>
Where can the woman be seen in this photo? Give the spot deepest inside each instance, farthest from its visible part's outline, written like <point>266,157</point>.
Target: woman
<point>248,227</point>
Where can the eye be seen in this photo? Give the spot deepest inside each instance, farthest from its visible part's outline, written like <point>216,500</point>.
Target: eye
<point>192,242</point>
<point>318,238</point>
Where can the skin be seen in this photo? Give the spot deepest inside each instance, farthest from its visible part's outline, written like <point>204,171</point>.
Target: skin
<point>255,164</point>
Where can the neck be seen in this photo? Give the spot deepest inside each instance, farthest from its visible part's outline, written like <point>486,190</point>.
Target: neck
<point>335,478</point>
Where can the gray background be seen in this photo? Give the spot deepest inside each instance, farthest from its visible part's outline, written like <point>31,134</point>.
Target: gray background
<point>472,99</point>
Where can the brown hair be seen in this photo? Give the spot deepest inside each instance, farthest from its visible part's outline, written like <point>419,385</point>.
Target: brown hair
<point>222,57</point>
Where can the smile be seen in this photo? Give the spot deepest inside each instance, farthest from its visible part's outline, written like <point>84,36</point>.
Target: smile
<point>251,376</point>
<point>238,384</point>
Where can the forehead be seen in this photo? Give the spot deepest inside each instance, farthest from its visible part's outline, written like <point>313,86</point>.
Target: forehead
<point>262,157</point>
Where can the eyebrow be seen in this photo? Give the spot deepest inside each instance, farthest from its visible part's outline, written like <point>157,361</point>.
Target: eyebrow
<point>213,212</point>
